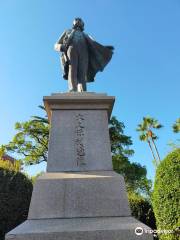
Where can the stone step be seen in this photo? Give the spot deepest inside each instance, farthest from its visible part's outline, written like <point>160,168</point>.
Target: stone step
<point>102,228</point>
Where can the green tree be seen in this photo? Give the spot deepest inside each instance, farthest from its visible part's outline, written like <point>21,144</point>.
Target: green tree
<point>176,126</point>
<point>120,143</point>
<point>166,195</point>
<point>141,209</point>
<point>146,129</point>
<point>31,140</point>
<point>134,173</point>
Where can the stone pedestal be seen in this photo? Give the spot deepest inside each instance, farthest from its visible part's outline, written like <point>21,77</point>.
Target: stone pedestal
<point>79,137</point>
<point>79,197</point>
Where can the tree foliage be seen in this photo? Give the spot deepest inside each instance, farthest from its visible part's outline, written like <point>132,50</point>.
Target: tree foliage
<point>15,195</point>
<point>31,140</point>
<point>120,143</point>
<point>142,209</point>
<point>166,194</point>
<point>134,173</point>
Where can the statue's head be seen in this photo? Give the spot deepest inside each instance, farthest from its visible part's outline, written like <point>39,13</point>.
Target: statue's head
<point>78,24</point>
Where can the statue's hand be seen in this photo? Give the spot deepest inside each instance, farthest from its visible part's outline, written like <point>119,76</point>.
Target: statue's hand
<point>57,47</point>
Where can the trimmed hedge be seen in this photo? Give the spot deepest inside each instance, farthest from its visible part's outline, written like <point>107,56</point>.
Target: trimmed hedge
<point>142,209</point>
<point>166,195</point>
<point>15,196</point>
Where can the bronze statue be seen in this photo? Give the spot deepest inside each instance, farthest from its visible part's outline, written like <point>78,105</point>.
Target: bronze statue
<point>82,57</point>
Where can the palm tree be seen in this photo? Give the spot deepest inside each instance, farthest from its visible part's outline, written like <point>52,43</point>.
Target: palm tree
<point>41,119</point>
<point>147,134</point>
<point>144,137</point>
<point>153,124</point>
<point>176,126</point>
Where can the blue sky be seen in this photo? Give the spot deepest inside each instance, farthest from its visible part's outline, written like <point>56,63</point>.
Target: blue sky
<point>143,75</point>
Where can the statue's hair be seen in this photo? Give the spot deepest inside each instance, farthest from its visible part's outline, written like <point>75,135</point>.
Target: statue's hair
<point>78,23</point>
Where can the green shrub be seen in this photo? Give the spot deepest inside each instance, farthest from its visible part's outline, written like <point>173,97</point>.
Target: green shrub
<point>15,195</point>
<point>142,209</point>
<point>166,195</point>
<point>15,166</point>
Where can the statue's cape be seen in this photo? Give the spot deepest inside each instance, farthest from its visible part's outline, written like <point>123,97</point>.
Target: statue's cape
<point>98,55</point>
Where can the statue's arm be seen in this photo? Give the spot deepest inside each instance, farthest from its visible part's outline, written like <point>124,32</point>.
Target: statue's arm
<point>58,46</point>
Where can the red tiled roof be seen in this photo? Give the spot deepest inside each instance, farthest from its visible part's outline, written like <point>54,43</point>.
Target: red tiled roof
<point>8,158</point>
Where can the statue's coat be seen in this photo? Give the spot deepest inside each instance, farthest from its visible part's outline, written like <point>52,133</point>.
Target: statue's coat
<point>98,58</point>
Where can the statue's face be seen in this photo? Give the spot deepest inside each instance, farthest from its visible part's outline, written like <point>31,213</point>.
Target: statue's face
<point>78,23</point>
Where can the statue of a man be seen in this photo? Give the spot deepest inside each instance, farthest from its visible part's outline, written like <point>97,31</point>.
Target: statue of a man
<point>81,57</point>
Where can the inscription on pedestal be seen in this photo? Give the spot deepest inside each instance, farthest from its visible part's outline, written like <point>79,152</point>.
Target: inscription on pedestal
<point>79,139</point>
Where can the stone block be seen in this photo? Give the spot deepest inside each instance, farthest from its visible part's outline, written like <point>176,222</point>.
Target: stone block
<point>79,194</point>
<point>79,135</point>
